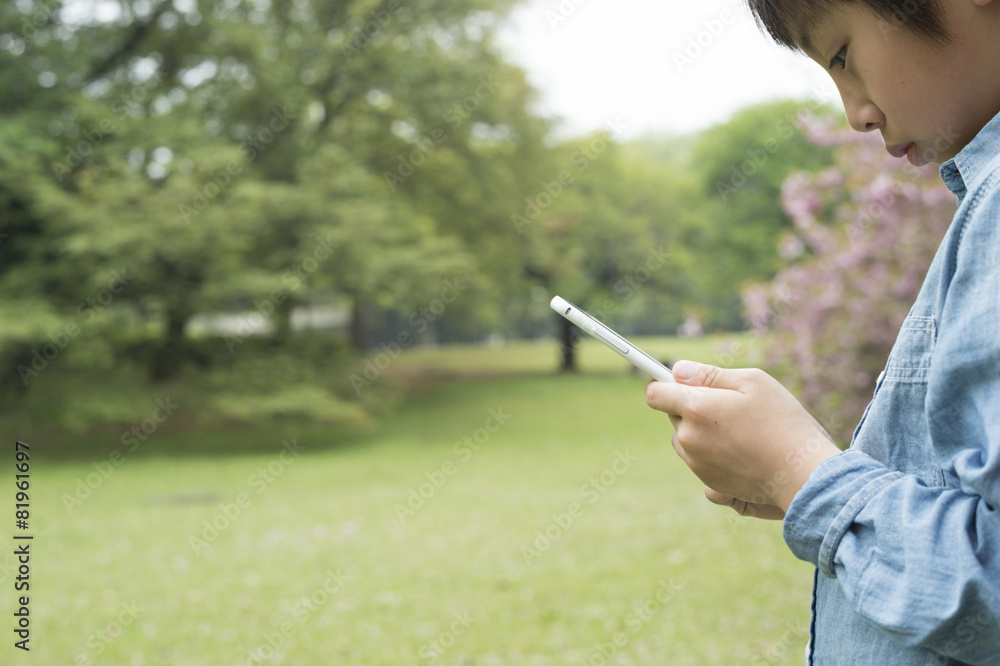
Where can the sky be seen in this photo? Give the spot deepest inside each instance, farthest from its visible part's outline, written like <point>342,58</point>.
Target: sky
<point>667,66</point>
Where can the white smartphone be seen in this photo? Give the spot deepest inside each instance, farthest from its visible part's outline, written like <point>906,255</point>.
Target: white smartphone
<point>617,343</point>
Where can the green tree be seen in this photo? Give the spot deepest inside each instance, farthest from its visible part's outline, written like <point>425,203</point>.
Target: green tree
<point>740,166</point>
<point>240,155</point>
<point>613,238</point>
<point>205,126</point>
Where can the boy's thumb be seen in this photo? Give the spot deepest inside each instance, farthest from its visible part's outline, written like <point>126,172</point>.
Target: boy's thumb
<point>698,374</point>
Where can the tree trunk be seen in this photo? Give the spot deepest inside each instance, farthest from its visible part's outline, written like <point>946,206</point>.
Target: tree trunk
<point>283,320</point>
<point>358,333</point>
<point>567,344</point>
<point>169,358</point>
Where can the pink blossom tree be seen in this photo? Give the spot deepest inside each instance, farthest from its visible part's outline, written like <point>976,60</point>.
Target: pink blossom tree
<point>864,233</point>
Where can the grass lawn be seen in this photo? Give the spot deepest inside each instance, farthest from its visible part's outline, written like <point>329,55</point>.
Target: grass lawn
<point>514,517</point>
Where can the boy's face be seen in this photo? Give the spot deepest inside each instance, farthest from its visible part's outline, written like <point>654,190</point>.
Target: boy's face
<point>928,100</point>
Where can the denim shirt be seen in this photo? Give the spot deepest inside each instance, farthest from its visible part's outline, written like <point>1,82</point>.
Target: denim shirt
<point>904,527</point>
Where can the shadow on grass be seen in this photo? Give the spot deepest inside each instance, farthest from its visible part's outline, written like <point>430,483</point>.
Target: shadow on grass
<point>255,439</point>
<point>179,438</point>
<point>417,384</point>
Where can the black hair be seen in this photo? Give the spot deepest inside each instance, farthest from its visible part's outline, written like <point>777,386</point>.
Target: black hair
<point>788,21</point>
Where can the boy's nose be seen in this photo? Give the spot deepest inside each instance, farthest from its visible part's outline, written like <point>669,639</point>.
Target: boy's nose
<point>862,114</point>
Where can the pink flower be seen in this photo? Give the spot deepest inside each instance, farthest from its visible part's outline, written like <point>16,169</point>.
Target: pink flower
<point>831,315</point>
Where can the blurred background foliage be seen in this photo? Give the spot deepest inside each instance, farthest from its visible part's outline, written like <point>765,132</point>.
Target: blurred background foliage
<point>244,203</point>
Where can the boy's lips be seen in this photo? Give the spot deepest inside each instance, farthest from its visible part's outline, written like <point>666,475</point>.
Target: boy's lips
<point>908,150</point>
<point>899,149</point>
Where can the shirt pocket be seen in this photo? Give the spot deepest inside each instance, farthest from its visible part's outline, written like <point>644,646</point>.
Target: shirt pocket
<point>894,428</point>
<point>910,358</point>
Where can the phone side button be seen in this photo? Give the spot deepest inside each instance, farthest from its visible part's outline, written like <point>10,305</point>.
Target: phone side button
<point>613,343</point>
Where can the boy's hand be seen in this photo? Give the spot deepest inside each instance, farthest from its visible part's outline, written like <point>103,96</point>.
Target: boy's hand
<point>742,433</point>
<point>744,508</point>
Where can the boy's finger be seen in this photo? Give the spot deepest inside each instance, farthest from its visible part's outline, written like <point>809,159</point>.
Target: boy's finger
<point>681,453</point>
<point>715,497</point>
<point>667,397</point>
<point>692,373</point>
<point>744,508</point>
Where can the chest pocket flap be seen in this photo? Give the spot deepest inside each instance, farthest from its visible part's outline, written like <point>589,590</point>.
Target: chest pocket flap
<point>910,359</point>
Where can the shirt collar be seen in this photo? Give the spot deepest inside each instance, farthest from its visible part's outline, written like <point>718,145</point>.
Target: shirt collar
<point>972,161</point>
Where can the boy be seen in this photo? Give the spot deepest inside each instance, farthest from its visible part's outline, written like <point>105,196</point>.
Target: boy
<point>904,527</point>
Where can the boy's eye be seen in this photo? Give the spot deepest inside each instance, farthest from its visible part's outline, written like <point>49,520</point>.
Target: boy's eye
<point>840,59</point>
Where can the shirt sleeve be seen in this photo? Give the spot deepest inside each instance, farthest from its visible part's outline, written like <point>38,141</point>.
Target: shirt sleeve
<point>923,562</point>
